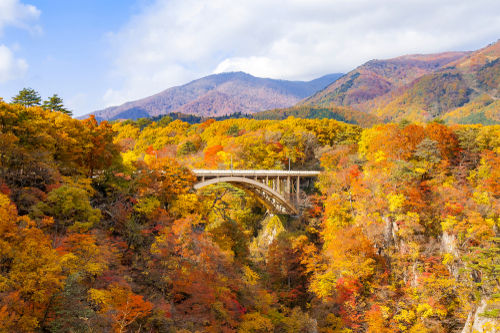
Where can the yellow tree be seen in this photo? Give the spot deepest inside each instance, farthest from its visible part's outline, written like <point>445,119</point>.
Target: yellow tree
<point>30,271</point>
<point>121,305</point>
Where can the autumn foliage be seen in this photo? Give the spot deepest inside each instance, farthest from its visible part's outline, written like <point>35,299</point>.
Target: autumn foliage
<point>101,229</point>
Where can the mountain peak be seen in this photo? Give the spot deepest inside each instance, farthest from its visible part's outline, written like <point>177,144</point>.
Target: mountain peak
<point>458,86</point>
<point>220,94</point>
<point>379,77</point>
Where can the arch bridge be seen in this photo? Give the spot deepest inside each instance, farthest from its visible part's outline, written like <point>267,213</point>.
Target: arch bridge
<point>277,190</point>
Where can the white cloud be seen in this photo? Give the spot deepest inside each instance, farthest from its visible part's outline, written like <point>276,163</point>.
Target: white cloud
<point>15,13</point>
<point>10,67</point>
<point>173,41</point>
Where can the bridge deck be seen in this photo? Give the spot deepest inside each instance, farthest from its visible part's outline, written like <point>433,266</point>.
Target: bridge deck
<point>254,173</point>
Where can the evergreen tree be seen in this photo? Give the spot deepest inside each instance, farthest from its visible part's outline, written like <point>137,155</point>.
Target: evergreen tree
<point>55,103</point>
<point>27,97</point>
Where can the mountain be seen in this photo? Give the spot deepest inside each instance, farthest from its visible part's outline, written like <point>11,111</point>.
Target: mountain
<point>459,87</point>
<point>218,95</point>
<point>379,77</point>
<point>479,58</point>
<point>464,91</point>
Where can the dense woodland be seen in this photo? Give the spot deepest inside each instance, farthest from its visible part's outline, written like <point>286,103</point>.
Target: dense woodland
<point>102,231</point>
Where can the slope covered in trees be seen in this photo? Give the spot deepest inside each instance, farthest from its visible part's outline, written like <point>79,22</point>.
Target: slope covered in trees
<point>339,113</point>
<point>102,231</point>
<point>422,87</point>
<point>481,110</point>
<point>379,77</point>
<point>429,96</point>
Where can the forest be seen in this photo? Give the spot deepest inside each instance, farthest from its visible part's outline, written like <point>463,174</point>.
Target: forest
<point>101,229</point>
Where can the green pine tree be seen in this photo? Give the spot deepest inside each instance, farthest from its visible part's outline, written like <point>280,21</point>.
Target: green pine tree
<point>27,97</point>
<point>55,103</point>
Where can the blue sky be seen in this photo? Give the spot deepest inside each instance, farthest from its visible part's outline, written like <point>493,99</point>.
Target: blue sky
<point>100,53</point>
<point>67,53</point>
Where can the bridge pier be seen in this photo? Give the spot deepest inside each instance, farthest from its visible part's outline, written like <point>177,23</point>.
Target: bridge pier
<point>298,189</point>
<point>288,188</point>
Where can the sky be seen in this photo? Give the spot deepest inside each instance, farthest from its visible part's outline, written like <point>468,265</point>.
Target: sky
<point>97,53</point>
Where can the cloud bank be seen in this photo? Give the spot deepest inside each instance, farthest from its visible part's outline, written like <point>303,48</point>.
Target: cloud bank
<point>16,14</point>
<point>10,67</point>
<point>173,41</point>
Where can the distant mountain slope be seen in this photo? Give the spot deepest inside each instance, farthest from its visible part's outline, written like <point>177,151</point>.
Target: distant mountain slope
<point>478,58</point>
<point>379,77</point>
<point>460,87</point>
<point>425,98</point>
<point>482,110</point>
<point>218,95</point>
<point>465,91</point>
<point>340,113</point>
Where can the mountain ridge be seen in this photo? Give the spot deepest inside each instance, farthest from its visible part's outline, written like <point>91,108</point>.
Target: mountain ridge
<point>379,77</point>
<point>218,95</point>
<point>459,87</point>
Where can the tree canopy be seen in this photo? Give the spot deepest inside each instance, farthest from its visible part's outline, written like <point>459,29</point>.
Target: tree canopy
<point>27,97</point>
<point>101,229</point>
<point>55,103</point>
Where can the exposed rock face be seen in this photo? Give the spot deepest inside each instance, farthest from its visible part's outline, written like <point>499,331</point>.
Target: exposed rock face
<point>271,229</point>
<point>476,323</point>
<point>448,243</point>
<point>272,226</point>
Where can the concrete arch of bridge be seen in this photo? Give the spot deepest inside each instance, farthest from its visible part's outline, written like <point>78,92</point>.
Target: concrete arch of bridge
<point>273,200</point>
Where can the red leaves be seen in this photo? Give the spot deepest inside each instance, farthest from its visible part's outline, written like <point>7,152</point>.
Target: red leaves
<point>207,123</point>
<point>200,275</point>
<point>4,189</point>
<point>101,152</point>
<point>444,136</point>
<point>347,288</point>
<point>353,173</point>
<point>277,147</point>
<point>210,157</point>
<point>316,209</point>
<point>151,151</point>
<point>347,293</point>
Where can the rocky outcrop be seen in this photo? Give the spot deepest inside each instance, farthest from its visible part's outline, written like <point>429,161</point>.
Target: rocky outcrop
<point>478,323</point>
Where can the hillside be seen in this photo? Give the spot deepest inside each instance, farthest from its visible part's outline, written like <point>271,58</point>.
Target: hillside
<point>478,58</point>
<point>482,110</point>
<point>218,95</point>
<point>460,87</point>
<point>427,97</point>
<point>379,77</point>
<point>465,91</point>
<point>340,113</point>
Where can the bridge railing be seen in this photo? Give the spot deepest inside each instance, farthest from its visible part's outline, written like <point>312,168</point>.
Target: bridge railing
<point>258,173</point>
